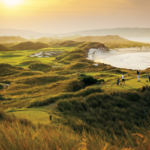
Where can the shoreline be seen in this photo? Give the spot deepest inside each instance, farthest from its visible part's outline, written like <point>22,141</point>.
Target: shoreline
<point>125,58</point>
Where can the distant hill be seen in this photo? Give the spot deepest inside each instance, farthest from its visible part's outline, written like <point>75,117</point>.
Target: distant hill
<point>123,32</point>
<point>102,39</point>
<point>3,48</point>
<point>29,46</point>
<point>12,39</point>
<point>23,33</point>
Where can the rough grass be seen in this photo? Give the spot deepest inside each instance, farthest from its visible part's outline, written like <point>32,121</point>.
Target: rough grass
<point>88,45</point>
<point>6,69</point>
<point>40,67</point>
<point>79,65</point>
<point>29,46</point>
<point>27,73</point>
<point>72,57</point>
<point>50,100</point>
<point>3,48</point>
<point>22,134</point>
<point>28,62</point>
<point>40,80</point>
<point>111,113</point>
<point>69,43</point>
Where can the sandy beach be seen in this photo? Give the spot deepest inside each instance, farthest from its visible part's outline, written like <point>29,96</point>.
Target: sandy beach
<point>130,58</point>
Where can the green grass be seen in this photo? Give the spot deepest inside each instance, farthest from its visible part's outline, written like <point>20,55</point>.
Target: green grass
<point>130,84</point>
<point>34,115</point>
<point>20,58</point>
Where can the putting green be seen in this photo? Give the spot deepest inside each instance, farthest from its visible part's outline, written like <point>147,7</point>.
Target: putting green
<point>34,115</point>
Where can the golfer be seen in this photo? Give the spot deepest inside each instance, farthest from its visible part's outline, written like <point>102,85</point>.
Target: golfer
<point>118,81</point>
<point>138,75</point>
<point>123,80</point>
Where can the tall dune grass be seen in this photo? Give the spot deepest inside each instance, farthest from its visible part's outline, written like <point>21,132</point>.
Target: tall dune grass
<point>18,135</point>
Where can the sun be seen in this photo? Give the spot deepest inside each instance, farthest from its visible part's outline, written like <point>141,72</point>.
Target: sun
<point>12,2</point>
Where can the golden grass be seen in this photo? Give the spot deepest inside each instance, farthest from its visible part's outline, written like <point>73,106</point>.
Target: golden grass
<point>16,136</point>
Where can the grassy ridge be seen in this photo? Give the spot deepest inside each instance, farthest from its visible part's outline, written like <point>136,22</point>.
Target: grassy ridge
<point>111,41</point>
<point>110,112</point>
<point>29,46</point>
<point>3,48</point>
<point>100,116</point>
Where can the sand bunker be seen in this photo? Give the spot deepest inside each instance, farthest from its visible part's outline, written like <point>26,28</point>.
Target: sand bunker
<point>130,58</point>
<point>46,54</point>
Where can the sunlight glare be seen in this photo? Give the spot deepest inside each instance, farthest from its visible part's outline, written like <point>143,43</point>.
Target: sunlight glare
<point>12,2</point>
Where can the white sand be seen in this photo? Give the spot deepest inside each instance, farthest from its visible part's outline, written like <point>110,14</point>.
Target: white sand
<point>45,54</point>
<point>139,39</point>
<point>94,52</point>
<point>130,58</point>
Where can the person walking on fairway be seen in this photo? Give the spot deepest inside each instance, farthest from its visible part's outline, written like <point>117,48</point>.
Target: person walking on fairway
<point>138,75</point>
<point>118,81</point>
<point>123,80</point>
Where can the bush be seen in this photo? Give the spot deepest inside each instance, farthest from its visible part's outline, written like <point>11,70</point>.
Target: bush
<point>6,82</point>
<point>74,86</point>
<point>64,106</point>
<point>81,76</point>
<point>88,80</point>
<point>1,87</point>
<point>1,98</point>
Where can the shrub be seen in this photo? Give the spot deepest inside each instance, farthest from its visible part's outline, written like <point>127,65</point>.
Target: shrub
<point>88,80</point>
<point>120,102</point>
<point>6,82</point>
<point>74,85</point>
<point>64,106</point>
<point>1,87</point>
<point>81,76</point>
<point>1,98</point>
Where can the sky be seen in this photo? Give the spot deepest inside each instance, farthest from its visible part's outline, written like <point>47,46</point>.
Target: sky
<point>63,16</point>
